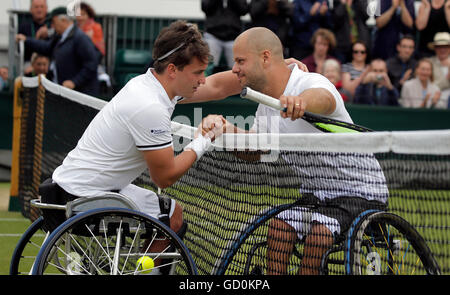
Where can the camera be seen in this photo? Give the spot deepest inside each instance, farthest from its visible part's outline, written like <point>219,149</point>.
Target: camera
<point>379,77</point>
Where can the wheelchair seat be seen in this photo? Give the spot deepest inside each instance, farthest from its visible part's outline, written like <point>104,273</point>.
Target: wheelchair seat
<point>54,200</point>
<point>109,200</point>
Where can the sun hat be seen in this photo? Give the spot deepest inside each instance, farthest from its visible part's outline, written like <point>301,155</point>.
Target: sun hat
<point>440,39</point>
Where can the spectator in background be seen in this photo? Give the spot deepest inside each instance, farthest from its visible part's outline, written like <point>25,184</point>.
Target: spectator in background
<point>441,62</point>
<point>74,58</point>
<point>376,87</point>
<point>274,15</point>
<point>344,28</point>
<point>355,71</point>
<point>401,67</point>
<point>86,22</point>
<point>421,92</point>
<point>323,41</point>
<point>36,28</point>
<point>433,17</point>
<point>4,79</point>
<point>331,69</point>
<point>222,25</point>
<point>360,18</point>
<point>397,18</point>
<point>40,64</point>
<point>308,16</point>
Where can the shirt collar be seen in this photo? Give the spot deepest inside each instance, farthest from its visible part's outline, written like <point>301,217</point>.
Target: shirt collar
<point>165,98</point>
<point>66,33</point>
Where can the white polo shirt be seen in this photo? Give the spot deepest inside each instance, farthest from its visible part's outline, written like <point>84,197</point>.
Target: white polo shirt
<point>324,175</point>
<point>267,118</point>
<point>108,155</point>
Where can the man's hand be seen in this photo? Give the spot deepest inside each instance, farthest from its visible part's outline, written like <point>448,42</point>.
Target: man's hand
<point>295,105</point>
<point>212,126</point>
<point>42,33</point>
<point>385,81</point>
<point>20,37</point>
<point>300,65</point>
<point>69,84</point>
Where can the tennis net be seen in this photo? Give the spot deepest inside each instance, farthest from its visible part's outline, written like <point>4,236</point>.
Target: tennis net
<point>243,178</point>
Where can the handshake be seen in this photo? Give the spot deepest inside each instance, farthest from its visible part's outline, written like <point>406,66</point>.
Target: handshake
<point>209,129</point>
<point>212,127</point>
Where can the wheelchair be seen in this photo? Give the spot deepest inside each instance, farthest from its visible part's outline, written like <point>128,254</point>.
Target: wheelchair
<point>104,235</point>
<point>377,243</point>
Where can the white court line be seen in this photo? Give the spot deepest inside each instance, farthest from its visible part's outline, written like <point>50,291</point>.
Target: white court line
<point>14,219</point>
<point>19,235</point>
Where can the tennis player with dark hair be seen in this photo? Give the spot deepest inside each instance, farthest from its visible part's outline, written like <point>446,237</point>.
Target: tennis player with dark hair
<point>259,65</point>
<point>133,131</point>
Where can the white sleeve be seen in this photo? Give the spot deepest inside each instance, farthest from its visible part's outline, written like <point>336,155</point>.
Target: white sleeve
<point>260,122</point>
<point>151,128</point>
<point>319,81</point>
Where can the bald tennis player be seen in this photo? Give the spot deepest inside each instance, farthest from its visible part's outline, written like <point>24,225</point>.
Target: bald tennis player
<point>259,64</point>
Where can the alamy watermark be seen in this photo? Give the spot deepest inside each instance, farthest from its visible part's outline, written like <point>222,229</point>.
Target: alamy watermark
<point>268,143</point>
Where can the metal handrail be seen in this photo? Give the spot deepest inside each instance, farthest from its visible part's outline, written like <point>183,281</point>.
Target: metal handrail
<point>38,204</point>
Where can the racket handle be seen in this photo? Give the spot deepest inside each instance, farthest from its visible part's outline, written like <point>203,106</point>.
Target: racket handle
<point>259,97</point>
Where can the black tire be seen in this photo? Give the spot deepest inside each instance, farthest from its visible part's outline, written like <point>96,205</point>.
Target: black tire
<point>384,243</point>
<point>110,241</point>
<point>27,249</point>
<point>252,232</point>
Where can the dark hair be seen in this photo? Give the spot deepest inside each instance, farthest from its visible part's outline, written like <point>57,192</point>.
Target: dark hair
<point>89,10</point>
<point>408,37</point>
<point>178,44</point>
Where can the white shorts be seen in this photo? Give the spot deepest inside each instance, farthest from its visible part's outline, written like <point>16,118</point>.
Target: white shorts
<point>146,200</point>
<point>301,219</point>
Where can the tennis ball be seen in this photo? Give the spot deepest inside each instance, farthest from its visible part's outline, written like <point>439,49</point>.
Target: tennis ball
<point>145,264</point>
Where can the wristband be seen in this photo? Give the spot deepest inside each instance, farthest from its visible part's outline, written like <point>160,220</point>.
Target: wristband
<point>199,145</point>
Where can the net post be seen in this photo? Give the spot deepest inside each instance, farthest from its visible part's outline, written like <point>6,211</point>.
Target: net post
<point>15,169</point>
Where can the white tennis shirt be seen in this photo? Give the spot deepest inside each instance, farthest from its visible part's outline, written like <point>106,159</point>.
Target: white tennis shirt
<point>325,175</point>
<point>108,155</point>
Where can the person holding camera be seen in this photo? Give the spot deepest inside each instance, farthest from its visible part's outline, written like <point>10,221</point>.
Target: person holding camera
<point>376,87</point>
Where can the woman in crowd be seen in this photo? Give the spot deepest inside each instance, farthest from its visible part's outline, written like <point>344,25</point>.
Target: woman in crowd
<point>421,92</point>
<point>86,22</point>
<point>332,70</point>
<point>355,71</point>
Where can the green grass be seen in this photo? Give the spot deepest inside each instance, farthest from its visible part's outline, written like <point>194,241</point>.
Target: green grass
<point>217,214</point>
<point>211,225</point>
<point>12,226</point>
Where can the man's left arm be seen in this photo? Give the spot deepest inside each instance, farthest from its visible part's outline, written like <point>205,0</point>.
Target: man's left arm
<point>88,56</point>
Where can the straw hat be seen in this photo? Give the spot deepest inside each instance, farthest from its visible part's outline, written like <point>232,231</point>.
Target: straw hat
<point>440,39</point>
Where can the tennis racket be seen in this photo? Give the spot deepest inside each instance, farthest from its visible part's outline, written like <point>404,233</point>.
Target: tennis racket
<point>322,123</point>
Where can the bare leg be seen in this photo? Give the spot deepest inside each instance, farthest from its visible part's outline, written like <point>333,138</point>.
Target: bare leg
<point>281,239</point>
<point>318,241</point>
<point>176,221</point>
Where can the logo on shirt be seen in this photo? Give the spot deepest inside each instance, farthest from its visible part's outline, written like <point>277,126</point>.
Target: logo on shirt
<point>157,131</point>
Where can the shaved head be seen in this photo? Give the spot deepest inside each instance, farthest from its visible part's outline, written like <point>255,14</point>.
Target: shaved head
<point>259,62</point>
<point>259,39</point>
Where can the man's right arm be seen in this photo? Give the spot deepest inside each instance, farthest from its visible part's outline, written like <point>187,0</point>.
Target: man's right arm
<point>218,86</point>
<point>165,169</point>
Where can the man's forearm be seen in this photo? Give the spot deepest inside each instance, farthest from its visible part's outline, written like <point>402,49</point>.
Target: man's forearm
<point>319,101</point>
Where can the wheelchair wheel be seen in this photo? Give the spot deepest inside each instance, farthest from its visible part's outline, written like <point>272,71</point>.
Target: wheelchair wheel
<point>111,241</point>
<point>246,251</point>
<point>386,244</point>
<point>27,248</point>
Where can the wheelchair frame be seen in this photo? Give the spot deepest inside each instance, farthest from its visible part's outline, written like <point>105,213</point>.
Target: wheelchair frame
<point>111,207</point>
<point>349,242</point>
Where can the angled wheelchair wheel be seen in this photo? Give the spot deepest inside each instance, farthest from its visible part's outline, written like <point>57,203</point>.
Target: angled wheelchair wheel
<point>27,248</point>
<point>112,241</point>
<point>245,254</point>
<point>382,243</point>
